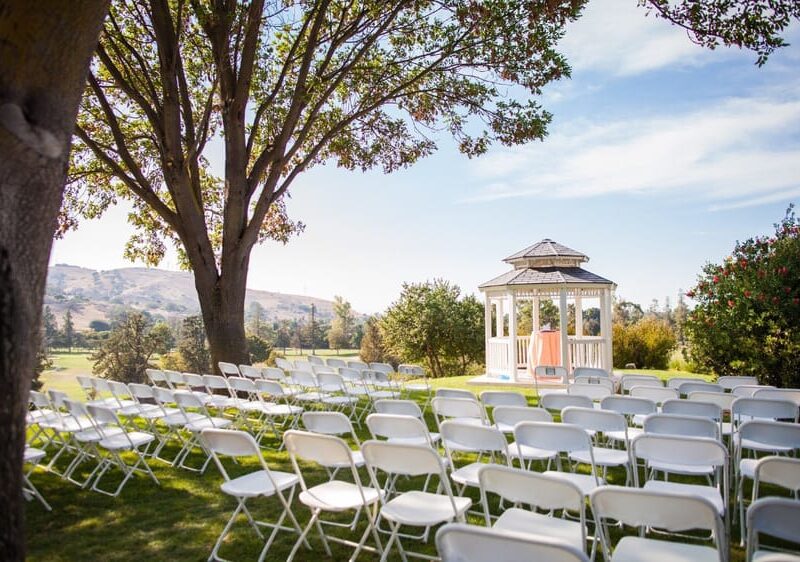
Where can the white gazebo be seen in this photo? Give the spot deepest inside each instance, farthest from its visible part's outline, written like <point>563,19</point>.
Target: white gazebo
<point>546,270</point>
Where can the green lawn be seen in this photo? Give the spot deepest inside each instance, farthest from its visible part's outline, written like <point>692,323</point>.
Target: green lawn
<point>65,367</point>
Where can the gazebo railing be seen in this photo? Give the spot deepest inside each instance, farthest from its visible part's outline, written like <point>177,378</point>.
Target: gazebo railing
<point>497,353</point>
<point>586,351</point>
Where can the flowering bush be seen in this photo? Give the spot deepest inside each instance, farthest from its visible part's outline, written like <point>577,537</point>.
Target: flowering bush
<point>647,343</point>
<point>747,316</point>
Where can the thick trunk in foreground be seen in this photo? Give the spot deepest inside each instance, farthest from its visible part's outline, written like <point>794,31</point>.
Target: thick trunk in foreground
<point>45,49</point>
<point>222,305</point>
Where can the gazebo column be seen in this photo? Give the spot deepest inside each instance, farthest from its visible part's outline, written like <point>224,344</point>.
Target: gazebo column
<point>500,319</point>
<point>487,323</point>
<point>605,330</point>
<point>535,327</point>
<point>578,315</point>
<point>512,335</point>
<point>562,320</point>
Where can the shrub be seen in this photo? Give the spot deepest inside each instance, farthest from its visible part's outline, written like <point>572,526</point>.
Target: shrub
<point>258,348</point>
<point>747,317</point>
<point>648,343</point>
<point>126,353</point>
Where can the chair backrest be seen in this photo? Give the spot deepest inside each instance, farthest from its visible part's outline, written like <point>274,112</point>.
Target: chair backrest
<point>551,371</point>
<point>119,389</point>
<point>562,437</point>
<point>445,407</point>
<point>306,379</point>
<point>403,459</point>
<point>674,449</point>
<point>40,400</point>
<point>230,443</point>
<point>776,517</point>
<point>102,416</point>
<point>155,376</point>
<point>314,360</point>
<point>674,424</point>
<point>216,382</point>
<point>494,398</point>
<point>722,399</point>
<point>781,471</point>
<point>270,388</point>
<point>302,365</point>
<point>76,409</point>
<point>163,395</point>
<point>57,398</point>
<point>393,426</point>
<point>708,410</point>
<point>676,382</point>
<point>331,382</point>
<point>458,542</point>
<point>251,372</point>
<point>325,450</point>
<point>589,371</point>
<point>595,380</point>
<point>398,407</point>
<point>512,415</point>
<point>475,437</point>
<point>654,393</point>
<point>629,405</point>
<point>85,382</point>
<point>792,394</point>
<point>193,380</point>
<point>335,362</point>
<point>656,509</point>
<point>731,382</point>
<point>771,433</point>
<point>317,369</point>
<point>351,375</point>
<point>629,381</point>
<point>243,384</point>
<point>455,393</point>
<point>185,399</point>
<point>595,420</point>
<point>414,370</point>
<point>273,373</point>
<point>593,391</point>
<point>560,401</point>
<point>695,386</point>
<point>228,369</point>
<point>284,364</point>
<point>358,365</point>
<point>747,390</point>
<point>174,378</point>
<point>328,423</point>
<point>382,367</point>
<point>141,391</point>
<point>763,408</point>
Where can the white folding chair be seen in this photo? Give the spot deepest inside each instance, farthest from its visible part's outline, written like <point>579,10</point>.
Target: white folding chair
<point>557,402</point>
<point>174,379</point>
<point>687,388</point>
<point>219,391</point>
<point>63,426</point>
<point>635,411</point>
<point>506,417</point>
<point>197,418</point>
<point>629,381</point>
<point>746,409</point>
<point>280,406</point>
<point>358,365</point>
<point>405,430</point>
<point>335,362</point>
<point>262,483</point>
<point>32,457</point>
<point>600,423</point>
<point>314,360</point>
<point>764,436</point>
<point>415,508</point>
<point>778,471</point>
<point>84,442</point>
<point>540,492</point>
<point>731,382</point>
<point>85,382</point>
<point>654,393</point>
<point>415,380</point>
<point>382,367</point>
<point>335,496</point>
<point>653,509</point>
<point>590,372</point>
<point>591,379</point>
<point>251,372</point>
<point>284,364</point>
<point>709,410</point>
<point>303,365</point>
<point>465,410</point>
<point>595,392</point>
<point>696,456</point>
<point>792,394</point>
<point>337,424</point>
<point>775,517</point>
<point>337,395</point>
<point>157,377</point>
<point>115,442</point>
<point>552,371</point>
<point>455,393</point>
<point>676,382</point>
<point>686,426</point>
<point>457,542</point>
<point>461,437</point>
<point>228,369</point>
<point>553,439</point>
<point>495,398</point>
<point>747,390</point>
<point>306,381</point>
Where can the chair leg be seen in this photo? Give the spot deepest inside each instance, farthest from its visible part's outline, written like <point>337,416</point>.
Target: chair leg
<point>304,534</point>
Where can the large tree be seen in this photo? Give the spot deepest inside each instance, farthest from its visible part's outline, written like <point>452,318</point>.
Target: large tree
<point>45,50</point>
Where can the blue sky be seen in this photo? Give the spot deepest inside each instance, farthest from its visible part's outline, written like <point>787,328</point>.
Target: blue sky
<point>660,156</point>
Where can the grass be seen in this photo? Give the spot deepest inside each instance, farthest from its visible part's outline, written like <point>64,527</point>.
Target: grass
<point>181,518</point>
<point>62,375</point>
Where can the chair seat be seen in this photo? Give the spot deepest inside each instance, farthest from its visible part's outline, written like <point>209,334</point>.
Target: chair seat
<point>219,402</point>
<point>620,435</point>
<point>382,395</point>
<point>528,453</point>
<point>310,396</point>
<point>586,482</point>
<point>677,468</point>
<point>772,556</point>
<point>754,445</point>
<point>338,496</point>
<point>93,435</point>
<point>68,424</point>
<point>415,440</point>
<point>120,442</point>
<point>178,418</point>
<point>282,410</point>
<point>602,457</point>
<point>416,387</point>
<point>138,409</point>
<point>258,484</point>
<point>158,413</point>
<point>204,423</point>
<point>636,549</point>
<point>422,509</point>
<point>111,403</point>
<point>467,475</point>
<point>339,400</point>
<point>34,455</point>
<point>708,492</point>
<point>524,521</point>
<point>36,416</point>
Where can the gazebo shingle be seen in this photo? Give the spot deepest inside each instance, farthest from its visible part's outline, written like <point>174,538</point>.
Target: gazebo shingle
<point>546,276</point>
<point>547,248</point>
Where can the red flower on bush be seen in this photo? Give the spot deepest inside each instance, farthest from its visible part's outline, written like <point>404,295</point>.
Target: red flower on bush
<point>747,294</point>
<point>731,304</point>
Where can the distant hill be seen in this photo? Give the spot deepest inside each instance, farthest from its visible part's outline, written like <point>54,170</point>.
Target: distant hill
<point>94,295</point>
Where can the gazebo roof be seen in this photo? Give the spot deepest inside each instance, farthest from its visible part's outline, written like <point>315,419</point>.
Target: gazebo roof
<point>546,249</point>
<point>546,263</point>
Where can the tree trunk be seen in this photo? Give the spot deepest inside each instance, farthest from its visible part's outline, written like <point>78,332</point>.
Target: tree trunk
<point>45,50</point>
<point>222,306</point>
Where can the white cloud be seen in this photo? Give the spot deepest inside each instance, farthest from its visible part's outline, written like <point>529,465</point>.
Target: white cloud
<point>620,38</point>
<point>743,150</point>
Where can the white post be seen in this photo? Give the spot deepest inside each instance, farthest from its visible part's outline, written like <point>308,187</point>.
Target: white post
<point>578,315</point>
<point>501,332</point>
<point>535,320</point>
<point>607,331</point>
<point>562,320</point>
<point>512,335</point>
<point>487,321</point>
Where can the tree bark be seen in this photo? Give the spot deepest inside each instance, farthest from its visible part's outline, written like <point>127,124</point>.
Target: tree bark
<point>45,50</point>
